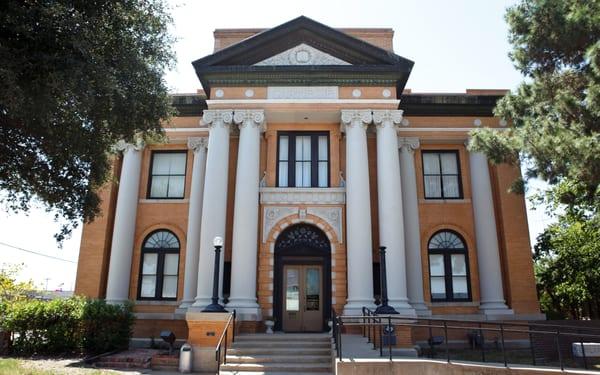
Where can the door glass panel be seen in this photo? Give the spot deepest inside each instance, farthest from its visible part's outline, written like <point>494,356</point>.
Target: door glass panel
<point>292,290</point>
<point>313,289</point>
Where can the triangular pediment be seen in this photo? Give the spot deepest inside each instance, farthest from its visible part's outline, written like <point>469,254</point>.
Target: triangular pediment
<point>302,54</point>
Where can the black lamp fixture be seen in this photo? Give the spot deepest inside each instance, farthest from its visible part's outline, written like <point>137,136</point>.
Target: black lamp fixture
<point>169,338</point>
<point>214,306</point>
<point>384,308</point>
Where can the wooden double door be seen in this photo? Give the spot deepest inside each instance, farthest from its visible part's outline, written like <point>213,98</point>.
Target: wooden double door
<point>303,299</point>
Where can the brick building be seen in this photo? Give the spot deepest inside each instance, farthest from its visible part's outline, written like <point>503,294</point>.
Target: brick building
<point>305,152</point>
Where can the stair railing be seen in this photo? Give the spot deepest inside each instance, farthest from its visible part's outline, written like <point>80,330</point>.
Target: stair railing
<point>223,341</point>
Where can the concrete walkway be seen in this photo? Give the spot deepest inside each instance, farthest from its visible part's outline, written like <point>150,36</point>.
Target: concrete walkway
<point>357,347</point>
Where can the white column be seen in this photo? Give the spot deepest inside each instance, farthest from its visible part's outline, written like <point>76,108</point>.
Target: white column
<point>245,216</point>
<point>198,146</point>
<point>412,240</point>
<point>214,206</point>
<point>391,218</point>
<point>119,269</point>
<point>490,277</point>
<point>358,212</point>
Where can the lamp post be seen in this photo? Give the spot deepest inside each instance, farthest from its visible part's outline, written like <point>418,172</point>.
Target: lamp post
<point>214,306</point>
<point>384,308</point>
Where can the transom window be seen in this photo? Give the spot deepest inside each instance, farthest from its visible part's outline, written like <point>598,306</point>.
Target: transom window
<point>448,268</point>
<point>441,175</point>
<point>303,159</point>
<point>167,175</point>
<point>159,267</point>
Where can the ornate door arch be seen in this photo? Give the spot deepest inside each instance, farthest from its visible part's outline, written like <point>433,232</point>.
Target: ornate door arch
<point>302,244</point>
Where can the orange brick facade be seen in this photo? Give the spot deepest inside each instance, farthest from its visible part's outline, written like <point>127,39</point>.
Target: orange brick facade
<point>445,131</point>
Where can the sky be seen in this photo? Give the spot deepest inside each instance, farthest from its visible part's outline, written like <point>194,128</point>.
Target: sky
<point>455,45</point>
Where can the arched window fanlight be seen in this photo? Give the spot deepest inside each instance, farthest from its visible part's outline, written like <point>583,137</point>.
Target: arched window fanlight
<point>448,267</point>
<point>159,268</point>
<point>446,240</point>
<point>162,239</point>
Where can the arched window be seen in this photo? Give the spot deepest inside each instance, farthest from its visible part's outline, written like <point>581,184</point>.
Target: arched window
<point>448,267</point>
<point>159,267</point>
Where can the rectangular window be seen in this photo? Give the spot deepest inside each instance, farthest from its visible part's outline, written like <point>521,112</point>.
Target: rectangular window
<point>303,159</point>
<point>167,175</point>
<point>441,175</point>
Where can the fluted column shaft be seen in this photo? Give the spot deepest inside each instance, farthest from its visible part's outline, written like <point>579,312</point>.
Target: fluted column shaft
<point>358,211</point>
<point>412,229</point>
<point>214,202</point>
<point>391,217</point>
<point>192,250</point>
<point>119,269</point>
<point>245,216</point>
<point>488,257</point>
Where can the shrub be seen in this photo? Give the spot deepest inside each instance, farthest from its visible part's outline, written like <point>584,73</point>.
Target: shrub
<point>73,325</point>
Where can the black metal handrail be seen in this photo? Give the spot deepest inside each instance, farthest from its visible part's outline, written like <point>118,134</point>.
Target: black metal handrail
<point>223,340</point>
<point>371,323</point>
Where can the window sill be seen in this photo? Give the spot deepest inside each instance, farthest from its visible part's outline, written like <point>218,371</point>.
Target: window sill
<point>178,200</point>
<point>455,304</point>
<point>442,201</point>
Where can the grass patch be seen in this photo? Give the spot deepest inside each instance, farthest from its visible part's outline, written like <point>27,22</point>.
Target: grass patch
<point>14,367</point>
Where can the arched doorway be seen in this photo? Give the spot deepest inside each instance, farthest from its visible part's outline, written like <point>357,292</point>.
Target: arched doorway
<point>302,279</point>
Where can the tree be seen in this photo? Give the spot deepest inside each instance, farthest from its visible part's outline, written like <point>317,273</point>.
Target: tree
<point>76,77</point>
<point>566,256</point>
<point>555,113</point>
<point>12,290</point>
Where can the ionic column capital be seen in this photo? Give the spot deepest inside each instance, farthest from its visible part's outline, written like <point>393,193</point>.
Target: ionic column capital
<point>250,117</point>
<point>123,146</point>
<point>386,117</point>
<point>409,143</point>
<point>196,144</point>
<point>356,118</point>
<point>217,118</point>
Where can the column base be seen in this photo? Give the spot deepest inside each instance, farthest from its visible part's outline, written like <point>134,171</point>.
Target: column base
<point>114,301</point>
<point>421,308</point>
<point>403,307</point>
<point>495,308</point>
<point>355,307</point>
<point>200,303</point>
<point>182,309</point>
<point>245,309</point>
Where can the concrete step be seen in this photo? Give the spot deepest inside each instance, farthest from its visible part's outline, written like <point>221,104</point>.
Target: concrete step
<point>274,358</point>
<point>283,350</point>
<point>280,367</point>
<point>284,337</point>
<point>281,343</point>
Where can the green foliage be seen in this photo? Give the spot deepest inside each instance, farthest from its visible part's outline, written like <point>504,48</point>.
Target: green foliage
<point>77,76</point>
<point>71,325</point>
<point>555,114</point>
<point>567,255</point>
